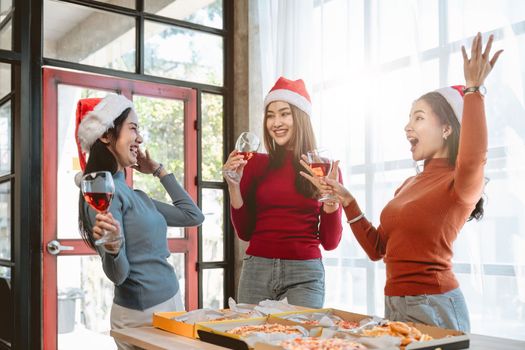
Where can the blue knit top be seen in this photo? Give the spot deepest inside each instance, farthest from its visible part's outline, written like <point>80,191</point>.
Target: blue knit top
<point>140,271</point>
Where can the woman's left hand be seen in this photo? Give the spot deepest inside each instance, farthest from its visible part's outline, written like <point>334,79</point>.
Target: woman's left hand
<point>145,164</point>
<point>478,67</point>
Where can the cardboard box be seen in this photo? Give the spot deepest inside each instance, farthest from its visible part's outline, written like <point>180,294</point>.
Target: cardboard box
<point>345,315</point>
<point>215,332</point>
<point>444,339</point>
<point>163,320</point>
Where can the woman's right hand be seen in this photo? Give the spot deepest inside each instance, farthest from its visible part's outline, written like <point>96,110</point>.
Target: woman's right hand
<point>234,163</point>
<point>106,222</point>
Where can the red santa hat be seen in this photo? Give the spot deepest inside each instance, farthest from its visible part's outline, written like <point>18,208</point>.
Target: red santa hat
<point>454,96</point>
<point>94,117</point>
<point>291,91</point>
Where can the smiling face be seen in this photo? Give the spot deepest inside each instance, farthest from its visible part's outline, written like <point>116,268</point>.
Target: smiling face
<point>280,122</point>
<point>426,133</point>
<point>127,144</point>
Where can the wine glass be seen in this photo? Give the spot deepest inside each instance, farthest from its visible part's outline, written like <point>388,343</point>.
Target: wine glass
<point>247,144</point>
<point>320,162</point>
<point>98,189</point>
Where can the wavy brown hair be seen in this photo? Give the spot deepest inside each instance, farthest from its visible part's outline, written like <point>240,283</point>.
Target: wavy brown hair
<point>445,113</point>
<point>302,141</point>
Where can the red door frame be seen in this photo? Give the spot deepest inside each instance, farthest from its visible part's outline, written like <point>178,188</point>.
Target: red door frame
<point>187,245</point>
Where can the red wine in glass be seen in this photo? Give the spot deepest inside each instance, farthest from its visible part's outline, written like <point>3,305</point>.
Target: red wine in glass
<point>246,155</point>
<point>320,162</point>
<point>98,188</point>
<point>98,201</point>
<point>247,144</point>
<point>320,169</point>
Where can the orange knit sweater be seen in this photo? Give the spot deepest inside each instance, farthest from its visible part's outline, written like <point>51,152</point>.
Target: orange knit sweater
<point>418,226</point>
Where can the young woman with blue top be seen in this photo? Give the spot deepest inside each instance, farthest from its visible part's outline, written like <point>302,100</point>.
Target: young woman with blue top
<point>145,282</point>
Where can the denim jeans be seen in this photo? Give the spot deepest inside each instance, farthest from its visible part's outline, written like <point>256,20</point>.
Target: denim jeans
<point>301,281</point>
<point>448,310</point>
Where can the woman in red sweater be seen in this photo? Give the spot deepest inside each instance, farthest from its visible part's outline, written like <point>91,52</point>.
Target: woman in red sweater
<point>419,225</point>
<point>276,209</point>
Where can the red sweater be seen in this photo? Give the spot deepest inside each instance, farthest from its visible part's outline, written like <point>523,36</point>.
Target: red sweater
<point>420,224</point>
<point>278,221</point>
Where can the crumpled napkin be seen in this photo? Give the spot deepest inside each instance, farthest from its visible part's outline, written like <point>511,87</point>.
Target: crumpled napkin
<point>267,306</point>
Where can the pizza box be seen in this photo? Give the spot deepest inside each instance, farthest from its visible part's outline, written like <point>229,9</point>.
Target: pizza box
<point>215,332</point>
<point>444,339</point>
<point>345,315</point>
<point>164,320</point>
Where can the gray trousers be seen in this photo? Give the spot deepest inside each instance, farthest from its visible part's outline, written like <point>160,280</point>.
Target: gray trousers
<point>448,310</point>
<point>300,281</point>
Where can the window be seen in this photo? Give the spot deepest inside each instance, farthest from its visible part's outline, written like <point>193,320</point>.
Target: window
<point>373,59</point>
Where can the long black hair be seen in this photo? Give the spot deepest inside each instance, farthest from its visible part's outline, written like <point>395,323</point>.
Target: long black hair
<point>446,115</point>
<point>100,159</point>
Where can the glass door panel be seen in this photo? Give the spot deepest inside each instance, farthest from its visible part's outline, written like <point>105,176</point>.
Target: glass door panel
<point>77,296</point>
<point>161,123</point>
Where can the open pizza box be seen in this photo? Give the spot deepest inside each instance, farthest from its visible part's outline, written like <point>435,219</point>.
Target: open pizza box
<point>444,339</point>
<point>344,315</point>
<point>185,323</point>
<point>167,322</point>
<point>215,332</point>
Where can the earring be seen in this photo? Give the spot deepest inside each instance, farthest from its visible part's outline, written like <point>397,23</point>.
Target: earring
<point>445,137</point>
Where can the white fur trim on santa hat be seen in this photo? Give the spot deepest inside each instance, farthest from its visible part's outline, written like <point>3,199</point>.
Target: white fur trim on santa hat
<point>454,99</point>
<point>98,121</point>
<point>291,97</point>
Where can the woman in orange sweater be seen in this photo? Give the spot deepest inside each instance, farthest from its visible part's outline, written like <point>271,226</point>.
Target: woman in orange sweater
<point>419,225</point>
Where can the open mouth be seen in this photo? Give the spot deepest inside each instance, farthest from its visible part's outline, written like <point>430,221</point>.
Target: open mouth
<point>413,141</point>
<point>134,150</point>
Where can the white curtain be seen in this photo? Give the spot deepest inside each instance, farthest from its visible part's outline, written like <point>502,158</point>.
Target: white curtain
<point>280,43</point>
<point>364,63</point>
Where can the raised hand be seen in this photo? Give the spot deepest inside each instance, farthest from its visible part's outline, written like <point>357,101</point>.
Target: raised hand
<point>145,164</point>
<point>479,65</point>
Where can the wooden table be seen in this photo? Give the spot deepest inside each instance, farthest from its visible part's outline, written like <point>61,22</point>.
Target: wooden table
<point>151,338</point>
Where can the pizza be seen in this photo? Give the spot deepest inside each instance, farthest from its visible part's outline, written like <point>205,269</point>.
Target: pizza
<point>310,343</point>
<point>243,331</point>
<point>402,330</point>
<point>347,324</point>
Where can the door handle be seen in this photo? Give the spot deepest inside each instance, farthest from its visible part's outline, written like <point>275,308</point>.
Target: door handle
<point>54,247</point>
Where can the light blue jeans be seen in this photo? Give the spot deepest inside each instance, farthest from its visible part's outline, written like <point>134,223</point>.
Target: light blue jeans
<point>448,310</point>
<point>301,281</point>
